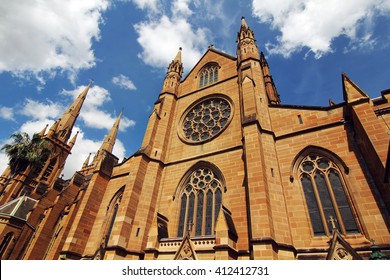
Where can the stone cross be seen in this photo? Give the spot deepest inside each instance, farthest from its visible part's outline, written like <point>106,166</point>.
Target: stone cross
<point>333,222</point>
<point>189,226</point>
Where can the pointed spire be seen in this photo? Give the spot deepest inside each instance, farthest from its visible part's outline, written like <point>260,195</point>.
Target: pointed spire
<point>272,93</point>
<point>43,131</point>
<point>86,162</point>
<point>246,43</point>
<point>176,65</point>
<point>73,140</point>
<point>178,56</point>
<point>53,128</point>
<point>243,23</point>
<point>66,123</point>
<point>351,91</point>
<point>109,140</point>
<point>245,31</point>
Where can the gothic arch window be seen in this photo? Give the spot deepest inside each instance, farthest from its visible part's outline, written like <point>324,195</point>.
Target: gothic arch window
<point>5,243</point>
<point>112,211</point>
<point>49,169</point>
<point>200,202</point>
<point>208,75</point>
<point>326,195</point>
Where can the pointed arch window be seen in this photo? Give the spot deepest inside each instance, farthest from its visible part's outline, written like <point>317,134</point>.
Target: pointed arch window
<point>208,75</point>
<point>200,202</point>
<point>326,196</point>
<point>49,169</point>
<point>112,211</point>
<point>5,243</point>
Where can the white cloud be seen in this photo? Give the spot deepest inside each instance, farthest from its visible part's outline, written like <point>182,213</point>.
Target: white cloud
<point>41,38</point>
<point>3,161</point>
<point>123,82</point>
<point>3,157</point>
<point>314,24</point>
<point>175,33</point>
<point>6,113</point>
<point>38,110</point>
<point>180,8</point>
<point>35,126</point>
<point>151,5</point>
<point>92,113</point>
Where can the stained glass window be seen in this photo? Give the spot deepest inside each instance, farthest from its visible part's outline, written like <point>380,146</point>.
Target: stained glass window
<point>326,196</point>
<point>111,214</point>
<point>206,120</point>
<point>203,190</point>
<point>208,75</point>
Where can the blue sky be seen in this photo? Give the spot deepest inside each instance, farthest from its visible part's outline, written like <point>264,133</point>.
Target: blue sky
<point>49,51</point>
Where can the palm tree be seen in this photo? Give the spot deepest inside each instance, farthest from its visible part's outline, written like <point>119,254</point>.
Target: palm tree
<point>25,151</point>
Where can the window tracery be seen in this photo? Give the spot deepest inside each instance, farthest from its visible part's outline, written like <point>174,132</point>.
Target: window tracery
<point>206,120</point>
<point>200,202</point>
<point>208,75</point>
<point>326,196</point>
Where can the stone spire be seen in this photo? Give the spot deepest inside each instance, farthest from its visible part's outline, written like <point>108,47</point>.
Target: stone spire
<point>86,162</point>
<point>173,76</point>
<point>62,128</point>
<point>108,142</point>
<point>246,43</point>
<point>272,93</point>
<point>43,131</point>
<point>73,140</point>
<point>176,64</point>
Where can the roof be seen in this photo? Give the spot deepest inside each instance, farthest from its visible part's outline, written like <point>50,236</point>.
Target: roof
<point>18,208</point>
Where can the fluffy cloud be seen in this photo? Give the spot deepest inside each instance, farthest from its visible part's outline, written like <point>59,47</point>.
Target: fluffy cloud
<point>123,82</point>
<point>41,37</point>
<point>151,5</point>
<point>175,33</point>
<point>40,111</point>
<point>314,24</point>
<point>93,114</point>
<point>6,113</point>
<point>181,8</point>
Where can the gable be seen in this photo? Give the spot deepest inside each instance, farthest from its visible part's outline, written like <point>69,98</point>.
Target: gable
<point>186,250</point>
<point>227,69</point>
<point>340,249</point>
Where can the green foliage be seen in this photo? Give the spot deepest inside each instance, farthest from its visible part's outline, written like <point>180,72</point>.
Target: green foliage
<point>25,150</point>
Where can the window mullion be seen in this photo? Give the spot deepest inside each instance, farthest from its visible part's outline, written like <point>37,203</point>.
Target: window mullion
<point>194,220</point>
<point>320,208</point>
<point>213,214</point>
<point>335,206</point>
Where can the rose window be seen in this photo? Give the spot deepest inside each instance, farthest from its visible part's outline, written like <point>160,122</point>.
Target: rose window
<point>206,120</point>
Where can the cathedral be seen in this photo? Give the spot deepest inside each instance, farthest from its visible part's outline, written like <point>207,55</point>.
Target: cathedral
<point>225,172</point>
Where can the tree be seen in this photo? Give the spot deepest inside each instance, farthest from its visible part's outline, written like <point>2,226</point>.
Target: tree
<point>25,151</point>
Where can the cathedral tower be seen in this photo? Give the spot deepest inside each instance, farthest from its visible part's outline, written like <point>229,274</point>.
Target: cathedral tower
<point>31,197</point>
